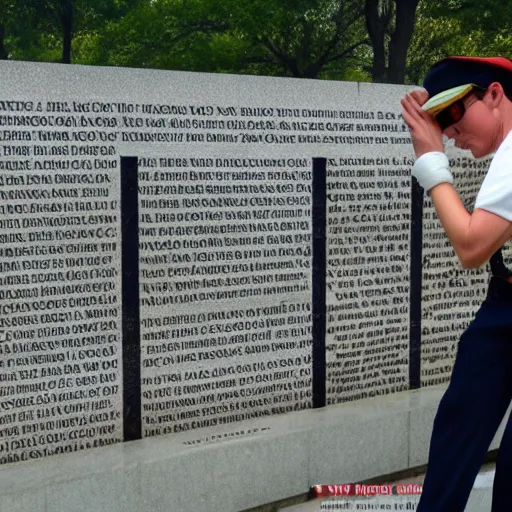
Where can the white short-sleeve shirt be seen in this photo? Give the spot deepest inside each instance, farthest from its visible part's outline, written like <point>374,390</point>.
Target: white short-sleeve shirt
<point>495,194</point>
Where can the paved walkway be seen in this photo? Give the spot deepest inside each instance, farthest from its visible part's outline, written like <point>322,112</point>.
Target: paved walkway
<point>480,500</point>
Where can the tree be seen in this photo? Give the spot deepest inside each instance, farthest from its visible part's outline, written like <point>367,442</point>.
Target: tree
<point>66,18</point>
<point>381,40</point>
<point>50,26</point>
<point>461,27</point>
<point>299,38</point>
<point>390,25</point>
<point>168,34</point>
<point>5,18</point>
<point>436,36</point>
<point>490,23</point>
<point>10,25</point>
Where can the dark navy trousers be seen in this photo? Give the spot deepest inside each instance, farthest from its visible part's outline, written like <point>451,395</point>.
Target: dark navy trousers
<point>471,410</point>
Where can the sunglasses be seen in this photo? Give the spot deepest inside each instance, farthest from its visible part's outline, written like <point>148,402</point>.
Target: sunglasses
<point>453,113</point>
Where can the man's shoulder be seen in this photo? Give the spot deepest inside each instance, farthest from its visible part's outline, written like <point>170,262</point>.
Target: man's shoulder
<point>495,194</point>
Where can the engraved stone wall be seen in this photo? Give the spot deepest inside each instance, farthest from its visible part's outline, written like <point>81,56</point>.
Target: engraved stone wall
<point>225,250</point>
<point>60,318</point>
<point>226,312</point>
<point>368,276</point>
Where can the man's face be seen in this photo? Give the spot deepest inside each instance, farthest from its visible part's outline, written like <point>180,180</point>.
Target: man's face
<point>471,125</point>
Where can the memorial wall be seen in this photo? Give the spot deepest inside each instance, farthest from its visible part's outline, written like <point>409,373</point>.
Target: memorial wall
<point>225,249</point>
<point>368,231</point>
<point>225,240</point>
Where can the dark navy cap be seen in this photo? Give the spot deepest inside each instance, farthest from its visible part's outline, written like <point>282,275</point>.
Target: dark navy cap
<point>453,77</point>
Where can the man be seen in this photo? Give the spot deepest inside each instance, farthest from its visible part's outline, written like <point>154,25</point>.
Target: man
<point>467,99</point>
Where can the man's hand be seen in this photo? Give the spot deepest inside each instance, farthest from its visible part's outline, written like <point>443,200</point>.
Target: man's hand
<point>425,132</point>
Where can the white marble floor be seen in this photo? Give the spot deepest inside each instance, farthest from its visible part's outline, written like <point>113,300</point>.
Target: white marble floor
<point>480,499</point>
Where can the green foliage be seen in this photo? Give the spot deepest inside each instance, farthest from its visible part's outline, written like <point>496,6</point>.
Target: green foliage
<point>325,39</point>
<point>435,38</point>
<point>458,27</point>
<point>271,37</point>
<point>35,29</point>
<point>171,34</point>
<point>488,24</point>
<point>300,38</point>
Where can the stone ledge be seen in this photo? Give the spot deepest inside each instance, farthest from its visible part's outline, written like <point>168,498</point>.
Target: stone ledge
<point>289,453</point>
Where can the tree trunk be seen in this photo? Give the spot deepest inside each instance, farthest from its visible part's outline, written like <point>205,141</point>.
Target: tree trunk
<point>3,51</point>
<point>67,27</point>
<point>400,39</point>
<point>376,26</point>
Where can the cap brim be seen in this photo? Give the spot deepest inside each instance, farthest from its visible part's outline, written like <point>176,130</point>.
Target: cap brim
<point>444,99</point>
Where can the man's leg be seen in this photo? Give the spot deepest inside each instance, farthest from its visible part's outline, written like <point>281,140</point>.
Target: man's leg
<point>470,412</point>
<point>501,498</point>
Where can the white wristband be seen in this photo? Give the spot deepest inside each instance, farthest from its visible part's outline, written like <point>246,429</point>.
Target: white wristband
<point>431,169</point>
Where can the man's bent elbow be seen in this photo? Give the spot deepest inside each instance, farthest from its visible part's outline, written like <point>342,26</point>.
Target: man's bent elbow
<point>472,261</point>
<point>469,264</point>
